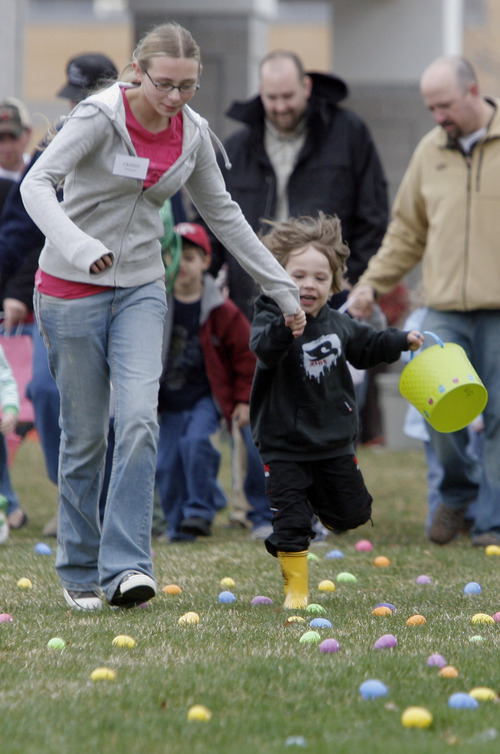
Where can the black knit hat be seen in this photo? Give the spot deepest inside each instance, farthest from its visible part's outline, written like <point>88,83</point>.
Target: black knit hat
<point>85,72</point>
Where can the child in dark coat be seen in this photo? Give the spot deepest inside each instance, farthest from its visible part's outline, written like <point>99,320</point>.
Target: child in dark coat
<point>303,411</point>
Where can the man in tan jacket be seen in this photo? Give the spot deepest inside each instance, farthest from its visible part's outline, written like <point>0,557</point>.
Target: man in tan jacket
<point>447,216</point>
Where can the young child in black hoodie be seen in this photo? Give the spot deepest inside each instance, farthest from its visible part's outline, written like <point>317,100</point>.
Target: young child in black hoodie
<point>303,411</point>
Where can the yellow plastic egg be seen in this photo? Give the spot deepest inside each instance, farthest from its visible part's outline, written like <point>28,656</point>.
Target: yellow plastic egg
<point>199,712</point>
<point>227,582</point>
<point>189,619</point>
<point>326,586</point>
<point>416,717</point>
<point>482,618</point>
<point>483,694</point>
<point>122,640</point>
<point>103,674</point>
<point>24,583</point>
<point>492,550</point>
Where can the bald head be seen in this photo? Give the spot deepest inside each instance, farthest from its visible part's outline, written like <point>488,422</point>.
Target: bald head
<point>284,90</point>
<point>450,91</point>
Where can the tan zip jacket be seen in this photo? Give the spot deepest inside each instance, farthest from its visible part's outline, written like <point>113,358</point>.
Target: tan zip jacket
<point>447,215</point>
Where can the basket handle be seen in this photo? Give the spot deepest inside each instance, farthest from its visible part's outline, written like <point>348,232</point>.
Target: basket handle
<point>433,335</point>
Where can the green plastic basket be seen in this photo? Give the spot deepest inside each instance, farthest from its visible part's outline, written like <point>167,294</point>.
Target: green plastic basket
<point>443,385</point>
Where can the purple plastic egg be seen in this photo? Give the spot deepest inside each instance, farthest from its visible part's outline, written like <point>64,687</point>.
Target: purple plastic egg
<point>329,645</point>
<point>261,600</point>
<point>436,661</point>
<point>423,579</point>
<point>387,641</point>
<point>335,554</point>
<point>386,604</point>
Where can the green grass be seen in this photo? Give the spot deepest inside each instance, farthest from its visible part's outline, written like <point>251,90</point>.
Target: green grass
<point>245,663</point>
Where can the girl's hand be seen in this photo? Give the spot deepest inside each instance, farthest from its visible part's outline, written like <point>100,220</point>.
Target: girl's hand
<point>296,322</point>
<point>415,339</point>
<point>105,261</point>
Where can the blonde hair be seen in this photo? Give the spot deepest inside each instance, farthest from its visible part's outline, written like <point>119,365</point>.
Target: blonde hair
<point>170,40</point>
<point>323,232</point>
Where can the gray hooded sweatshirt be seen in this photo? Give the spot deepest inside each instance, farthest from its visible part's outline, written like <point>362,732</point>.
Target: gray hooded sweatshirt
<point>104,212</point>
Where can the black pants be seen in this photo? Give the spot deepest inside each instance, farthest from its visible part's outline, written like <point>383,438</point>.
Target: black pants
<point>333,489</point>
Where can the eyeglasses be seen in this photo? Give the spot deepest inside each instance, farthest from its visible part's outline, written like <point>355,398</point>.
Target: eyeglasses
<point>183,88</point>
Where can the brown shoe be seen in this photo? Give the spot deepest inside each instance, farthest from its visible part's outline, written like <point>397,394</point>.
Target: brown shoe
<point>50,528</point>
<point>446,524</point>
<point>485,539</point>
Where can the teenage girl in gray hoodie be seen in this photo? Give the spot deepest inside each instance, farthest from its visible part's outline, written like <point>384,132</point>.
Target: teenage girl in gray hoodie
<point>100,298</point>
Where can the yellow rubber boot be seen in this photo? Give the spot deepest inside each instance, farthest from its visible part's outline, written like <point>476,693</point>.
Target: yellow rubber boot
<point>294,569</point>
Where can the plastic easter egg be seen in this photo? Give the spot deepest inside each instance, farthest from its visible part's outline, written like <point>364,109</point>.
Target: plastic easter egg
<point>364,545</point>
<point>423,579</point>
<point>24,584</point>
<point>461,700</point>
<point>382,610</point>
<point>122,640</point>
<point>295,619</point>
<point>329,646</point>
<point>189,619</point>
<point>381,561</point>
<point>42,549</point>
<point>416,620</point>
<point>310,637</point>
<point>312,556</point>
<point>416,717</point>
<point>315,609</point>
<point>227,582</point>
<point>171,589</point>
<point>326,586</point>
<point>103,674</point>
<point>6,618</point>
<point>476,639</point>
<point>261,600</point>
<point>56,643</point>
<point>334,554</point>
<point>386,604</point>
<point>482,618</point>
<point>448,671</point>
<point>472,588</point>
<point>346,577</point>
<point>227,597</point>
<point>387,641</point>
<point>496,617</point>
<point>199,712</point>
<point>492,550</point>
<point>372,689</point>
<point>483,694</point>
<point>436,661</point>
<point>320,623</point>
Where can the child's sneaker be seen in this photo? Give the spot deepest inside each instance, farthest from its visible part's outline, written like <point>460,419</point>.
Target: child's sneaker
<point>4,526</point>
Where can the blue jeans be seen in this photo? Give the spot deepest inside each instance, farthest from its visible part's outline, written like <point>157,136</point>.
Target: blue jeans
<point>465,477</point>
<point>188,464</point>
<point>112,337</point>
<point>255,484</point>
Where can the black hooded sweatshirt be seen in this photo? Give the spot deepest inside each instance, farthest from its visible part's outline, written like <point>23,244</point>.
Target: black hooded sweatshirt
<point>303,405</point>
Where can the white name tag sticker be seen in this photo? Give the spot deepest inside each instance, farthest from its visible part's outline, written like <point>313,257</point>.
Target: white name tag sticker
<point>130,166</point>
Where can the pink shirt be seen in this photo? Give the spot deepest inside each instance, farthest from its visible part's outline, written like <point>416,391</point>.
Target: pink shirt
<point>162,150</point>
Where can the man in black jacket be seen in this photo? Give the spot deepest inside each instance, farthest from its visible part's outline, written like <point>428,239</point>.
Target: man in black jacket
<point>300,152</point>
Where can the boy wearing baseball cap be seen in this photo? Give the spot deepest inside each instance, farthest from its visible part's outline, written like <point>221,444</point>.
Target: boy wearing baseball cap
<point>15,133</point>
<point>207,374</point>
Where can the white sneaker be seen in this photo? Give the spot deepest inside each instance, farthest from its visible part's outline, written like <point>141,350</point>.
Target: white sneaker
<point>135,588</point>
<point>82,600</point>
<point>4,528</point>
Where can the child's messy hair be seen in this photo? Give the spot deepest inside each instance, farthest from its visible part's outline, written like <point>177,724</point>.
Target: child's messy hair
<point>323,232</point>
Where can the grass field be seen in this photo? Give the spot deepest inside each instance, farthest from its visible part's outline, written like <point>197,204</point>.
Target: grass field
<point>267,692</point>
